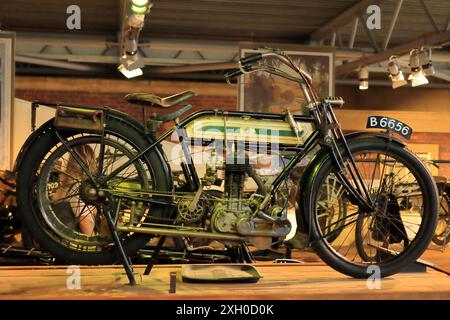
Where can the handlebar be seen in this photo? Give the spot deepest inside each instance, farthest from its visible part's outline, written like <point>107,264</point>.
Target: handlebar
<point>300,76</point>
<point>251,58</point>
<point>237,72</point>
<point>245,66</point>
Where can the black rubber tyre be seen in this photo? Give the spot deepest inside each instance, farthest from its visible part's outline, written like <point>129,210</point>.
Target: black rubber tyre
<point>28,179</point>
<point>425,231</point>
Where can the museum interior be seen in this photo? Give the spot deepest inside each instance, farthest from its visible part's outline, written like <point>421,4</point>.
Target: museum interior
<point>225,149</point>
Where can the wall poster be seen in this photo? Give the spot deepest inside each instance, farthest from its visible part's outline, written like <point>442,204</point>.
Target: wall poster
<point>262,92</point>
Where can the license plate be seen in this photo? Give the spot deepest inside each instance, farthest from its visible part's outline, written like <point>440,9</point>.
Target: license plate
<point>390,124</point>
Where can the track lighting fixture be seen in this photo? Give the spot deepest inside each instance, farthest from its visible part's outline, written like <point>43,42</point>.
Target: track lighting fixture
<point>139,6</point>
<point>425,61</point>
<point>363,76</point>
<point>131,64</point>
<point>417,76</point>
<point>395,73</point>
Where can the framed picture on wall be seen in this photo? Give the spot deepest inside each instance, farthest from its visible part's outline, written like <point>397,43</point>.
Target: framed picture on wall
<point>263,92</point>
<point>6,97</point>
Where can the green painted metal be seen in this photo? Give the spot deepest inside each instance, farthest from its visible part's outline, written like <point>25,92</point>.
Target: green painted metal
<point>249,129</point>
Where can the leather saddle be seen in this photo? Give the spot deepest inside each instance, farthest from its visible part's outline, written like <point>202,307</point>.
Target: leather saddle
<point>148,99</point>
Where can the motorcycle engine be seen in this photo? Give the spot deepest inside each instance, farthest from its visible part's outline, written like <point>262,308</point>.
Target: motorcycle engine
<point>235,210</point>
<point>226,214</point>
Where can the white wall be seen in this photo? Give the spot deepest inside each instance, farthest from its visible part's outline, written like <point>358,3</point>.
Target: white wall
<point>22,123</point>
<point>6,85</point>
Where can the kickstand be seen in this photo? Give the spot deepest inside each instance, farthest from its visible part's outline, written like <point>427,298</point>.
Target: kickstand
<point>247,254</point>
<point>155,255</point>
<point>240,254</point>
<point>126,263</point>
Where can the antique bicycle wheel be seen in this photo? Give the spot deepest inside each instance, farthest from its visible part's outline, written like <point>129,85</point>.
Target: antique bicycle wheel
<point>442,233</point>
<point>56,198</point>
<point>331,207</point>
<point>390,236</point>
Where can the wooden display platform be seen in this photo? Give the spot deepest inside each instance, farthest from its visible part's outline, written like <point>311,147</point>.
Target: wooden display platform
<point>311,280</point>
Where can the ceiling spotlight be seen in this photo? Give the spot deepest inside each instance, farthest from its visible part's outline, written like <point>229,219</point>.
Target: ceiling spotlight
<point>130,73</point>
<point>139,6</point>
<point>395,73</point>
<point>363,75</point>
<point>131,65</point>
<point>417,76</point>
<point>131,46</point>
<point>425,62</point>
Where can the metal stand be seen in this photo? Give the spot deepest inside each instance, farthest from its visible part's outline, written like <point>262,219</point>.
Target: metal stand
<point>247,255</point>
<point>288,253</point>
<point>16,255</point>
<point>416,266</point>
<point>126,263</point>
<point>155,255</point>
<point>241,254</point>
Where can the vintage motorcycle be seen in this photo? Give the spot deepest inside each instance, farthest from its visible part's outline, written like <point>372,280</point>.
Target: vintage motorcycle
<point>93,179</point>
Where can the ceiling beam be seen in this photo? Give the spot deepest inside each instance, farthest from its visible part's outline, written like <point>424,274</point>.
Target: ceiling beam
<point>115,59</point>
<point>369,33</point>
<point>424,40</point>
<point>194,68</point>
<point>392,24</point>
<point>429,15</point>
<point>351,42</point>
<point>149,43</point>
<point>343,19</point>
<point>58,64</point>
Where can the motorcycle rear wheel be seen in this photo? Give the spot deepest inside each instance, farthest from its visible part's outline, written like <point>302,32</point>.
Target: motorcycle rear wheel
<point>50,201</point>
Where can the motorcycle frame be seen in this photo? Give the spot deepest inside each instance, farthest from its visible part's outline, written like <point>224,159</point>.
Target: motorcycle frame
<point>327,133</point>
<point>324,121</point>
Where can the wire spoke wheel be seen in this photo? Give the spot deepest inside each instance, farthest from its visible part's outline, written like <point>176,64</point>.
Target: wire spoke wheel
<point>398,228</point>
<point>69,202</point>
<point>442,233</point>
<point>61,190</point>
<point>331,208</point>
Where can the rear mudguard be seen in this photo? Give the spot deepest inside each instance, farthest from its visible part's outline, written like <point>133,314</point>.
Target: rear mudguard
<point>304,195</point>
<point>117,115</point>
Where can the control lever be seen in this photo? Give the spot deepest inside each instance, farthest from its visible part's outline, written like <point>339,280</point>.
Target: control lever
<point>335,102</point>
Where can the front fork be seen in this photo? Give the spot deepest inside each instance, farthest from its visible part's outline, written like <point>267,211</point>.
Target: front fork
<point>343,159</point>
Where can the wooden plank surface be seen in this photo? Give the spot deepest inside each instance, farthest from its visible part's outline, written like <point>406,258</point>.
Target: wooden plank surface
<point>312,280</point>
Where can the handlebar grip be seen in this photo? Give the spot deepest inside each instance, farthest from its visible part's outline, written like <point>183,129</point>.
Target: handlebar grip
<point>233,73</point>
<point>251,58</point>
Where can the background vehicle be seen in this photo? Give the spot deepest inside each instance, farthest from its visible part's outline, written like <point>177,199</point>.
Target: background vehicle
<point>442,234</point>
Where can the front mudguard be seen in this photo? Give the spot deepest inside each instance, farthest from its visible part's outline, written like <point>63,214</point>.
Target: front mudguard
<point>304,199</point>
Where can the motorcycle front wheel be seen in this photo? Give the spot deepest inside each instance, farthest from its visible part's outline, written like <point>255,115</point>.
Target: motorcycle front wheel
<point>389,237</point>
